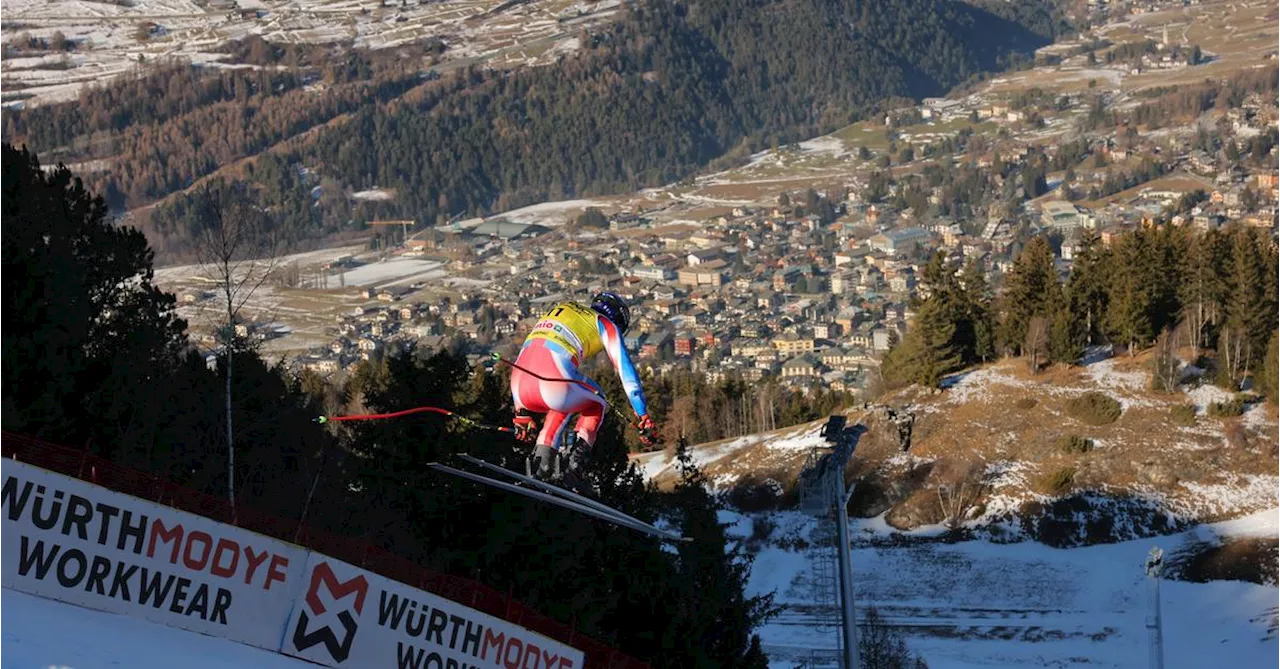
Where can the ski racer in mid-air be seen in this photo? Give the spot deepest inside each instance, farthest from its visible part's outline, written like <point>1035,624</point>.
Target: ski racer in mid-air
<point>564,338</point>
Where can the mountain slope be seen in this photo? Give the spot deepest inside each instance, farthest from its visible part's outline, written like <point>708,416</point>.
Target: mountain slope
<point>1002,433</point>
<point>659,95</point>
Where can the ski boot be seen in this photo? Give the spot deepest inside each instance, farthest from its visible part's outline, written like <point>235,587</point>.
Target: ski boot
<point>574,477</point>
<point>544,464</point>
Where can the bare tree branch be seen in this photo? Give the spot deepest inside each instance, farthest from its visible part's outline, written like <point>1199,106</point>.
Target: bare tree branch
<point>239,245</point>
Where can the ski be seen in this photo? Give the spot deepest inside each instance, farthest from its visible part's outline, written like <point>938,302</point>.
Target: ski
<point>557,496</point>
<point>549,487</point>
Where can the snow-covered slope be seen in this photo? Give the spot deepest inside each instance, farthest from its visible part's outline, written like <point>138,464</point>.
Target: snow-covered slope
<point>42,633</point>
<point>978,604</point>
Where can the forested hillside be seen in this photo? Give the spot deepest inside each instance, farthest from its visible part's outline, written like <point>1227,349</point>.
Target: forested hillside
<point>662,93</point>
<point>1173,287</point>
<point>667,90</point>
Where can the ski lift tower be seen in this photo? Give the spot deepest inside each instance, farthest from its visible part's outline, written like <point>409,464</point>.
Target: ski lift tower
<point>1153,567</point>
<point>404,227</point>
<point>823,495</point>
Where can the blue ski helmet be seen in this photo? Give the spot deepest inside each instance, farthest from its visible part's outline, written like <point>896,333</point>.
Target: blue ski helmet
<point>612,307</point>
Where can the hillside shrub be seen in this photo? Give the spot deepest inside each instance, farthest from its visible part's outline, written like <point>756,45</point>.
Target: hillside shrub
<point>1094,408</point>
<point>752,495</point>
<point>1025,403</point>
<point>881,645</point>
<point>1228,409</point>
<point>1072,443</point>
<point>762,528</point>
<point>1237,436</point>
<point>1184,414</point>
<point>1058,481</point>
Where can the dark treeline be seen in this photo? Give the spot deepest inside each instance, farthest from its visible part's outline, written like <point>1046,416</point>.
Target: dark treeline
<point>156,160</point>
<point>667,90</point>
<point>1187,103</point>
<point>1044,19</point>
<point>174,123</point>
<point>1214,292</point>
<point>659,94</point>
<point>96,359</point>
<point>685,404</point>
<point>148,96</point>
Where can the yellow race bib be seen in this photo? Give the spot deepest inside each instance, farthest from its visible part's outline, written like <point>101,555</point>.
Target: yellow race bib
<point>572,326</point>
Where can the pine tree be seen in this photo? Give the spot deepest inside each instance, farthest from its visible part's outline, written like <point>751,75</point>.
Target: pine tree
<point>87,335</point>
<point>1246,306</point>
<point>978,312</point>
<point>1270,309</point>
<point>1269,381</point>
<point>1202,290</point>
<point>928,345</point>
<point>1066,335</point>
<point>712,622</point>
<point>1087,285</point>
<point>1163,274</point>
<point>1027,292</point>
<point>1129,297</point>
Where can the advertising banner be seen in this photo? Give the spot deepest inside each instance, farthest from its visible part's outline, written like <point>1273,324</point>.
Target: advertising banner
<point>349,617</point>
<point>73,541</point>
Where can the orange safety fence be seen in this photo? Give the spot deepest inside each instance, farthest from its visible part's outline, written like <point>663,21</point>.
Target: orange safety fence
<point>82,465</point>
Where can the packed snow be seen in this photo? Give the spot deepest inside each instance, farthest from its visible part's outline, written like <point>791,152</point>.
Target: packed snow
<point>1231,494</point>
<point>42,633</point>
<point>1104,374</point>
<point>798,438</point>
<point>825,144</point>
<point>548,214</point>
<point>979,604</point>
<point>1205,395</point>
<point>393,271</point>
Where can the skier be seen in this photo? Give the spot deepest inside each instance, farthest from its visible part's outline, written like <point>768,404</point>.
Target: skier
<point>564,338</point>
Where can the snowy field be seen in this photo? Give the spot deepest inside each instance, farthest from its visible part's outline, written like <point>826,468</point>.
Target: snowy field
<point>108,45</point>
<point>976,604</point>
<point>36,633</point>
<point>394,271</point>
<point>796,439</point>
<point>546,214</point>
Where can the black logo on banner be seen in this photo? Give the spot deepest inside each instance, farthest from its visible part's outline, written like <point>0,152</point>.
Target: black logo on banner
<point>335,590</point>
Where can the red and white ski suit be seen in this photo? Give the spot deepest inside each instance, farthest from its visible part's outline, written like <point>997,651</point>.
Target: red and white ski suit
<point>567,335</point>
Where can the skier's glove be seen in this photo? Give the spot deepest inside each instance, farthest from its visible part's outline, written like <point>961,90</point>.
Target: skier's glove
<point>526,429</point>
<point>648,431</point>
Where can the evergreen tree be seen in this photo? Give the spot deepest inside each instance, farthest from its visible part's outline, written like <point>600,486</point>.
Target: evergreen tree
<point>87,333</point>
<point>1246,306</point>
<point>1066,334</point>
<point>1270,309</point>
<point>1163,275</point>
<point>979,312</point>
<point>1202,289</point>
<point>1269,379</point>
<point>712,622</point>
<point>1029,289</point>
<point>927,348</point>
<point>1087,285</point>
<point>1129,295</point>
